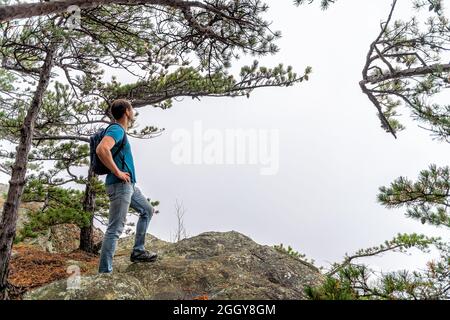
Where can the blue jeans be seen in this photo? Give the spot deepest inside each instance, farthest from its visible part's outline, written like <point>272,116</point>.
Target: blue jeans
<point>123,195</point>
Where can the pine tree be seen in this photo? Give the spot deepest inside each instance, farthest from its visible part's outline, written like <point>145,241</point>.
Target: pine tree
<point>192,41</point>
<point>404,67</point>
<point>18,171</point>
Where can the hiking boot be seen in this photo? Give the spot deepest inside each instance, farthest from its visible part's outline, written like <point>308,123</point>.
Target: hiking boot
<point>145,256</point>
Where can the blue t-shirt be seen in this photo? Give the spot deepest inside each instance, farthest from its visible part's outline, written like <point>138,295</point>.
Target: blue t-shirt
<point>116,132</point>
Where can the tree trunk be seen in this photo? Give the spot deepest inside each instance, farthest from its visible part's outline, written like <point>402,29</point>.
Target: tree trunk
<point>87,233</point>
<point>28,10</point>
<point>17,181</point>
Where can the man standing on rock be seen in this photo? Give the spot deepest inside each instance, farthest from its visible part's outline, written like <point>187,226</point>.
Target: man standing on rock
<point>121,189</point>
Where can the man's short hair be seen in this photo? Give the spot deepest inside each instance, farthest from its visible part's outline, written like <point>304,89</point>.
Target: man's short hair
<point>118,108</point>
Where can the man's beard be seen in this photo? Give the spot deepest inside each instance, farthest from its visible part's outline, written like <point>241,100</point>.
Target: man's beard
<point>131,122</point>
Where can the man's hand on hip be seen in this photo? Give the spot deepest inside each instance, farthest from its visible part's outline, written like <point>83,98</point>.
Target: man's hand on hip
<point>124,176</point>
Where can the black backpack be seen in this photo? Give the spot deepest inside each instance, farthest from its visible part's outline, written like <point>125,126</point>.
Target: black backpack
<point>97,165</point>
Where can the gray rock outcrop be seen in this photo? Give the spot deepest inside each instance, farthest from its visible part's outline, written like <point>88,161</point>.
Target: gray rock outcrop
<point>212,265</point>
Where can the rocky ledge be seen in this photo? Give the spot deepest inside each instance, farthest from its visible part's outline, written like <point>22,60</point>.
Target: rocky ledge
<point>211,265</point>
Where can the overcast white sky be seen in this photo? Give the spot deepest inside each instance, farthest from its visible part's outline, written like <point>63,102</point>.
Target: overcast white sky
<point>333,154</point>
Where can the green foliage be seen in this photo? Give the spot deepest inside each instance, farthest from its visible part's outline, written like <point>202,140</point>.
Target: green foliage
<point>432,5</point>
<point>159,90</point>
<point>332,289</point>
<point>155,203</point>
<point>60,205</point>
<point>357,281</point>
<point>293,253</point>
<point>7,80</point>
<point>407,67</point>
<point>324,4</point>
<point>426,199</point>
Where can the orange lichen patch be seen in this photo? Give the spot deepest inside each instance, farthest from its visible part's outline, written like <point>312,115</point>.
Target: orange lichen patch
<point>189,294</point>
<point>31,267</point>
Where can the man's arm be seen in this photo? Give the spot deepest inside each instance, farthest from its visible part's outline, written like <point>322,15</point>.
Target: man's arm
<point>104,153</point>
